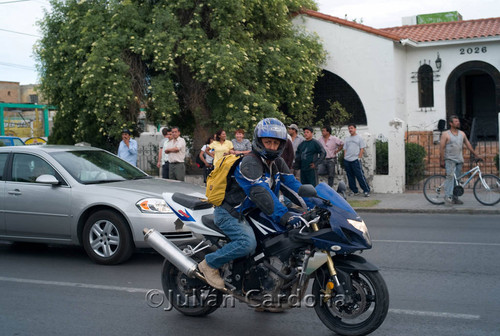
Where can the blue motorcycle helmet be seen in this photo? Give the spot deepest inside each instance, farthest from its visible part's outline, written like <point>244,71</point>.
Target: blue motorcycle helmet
<point>269,128</point>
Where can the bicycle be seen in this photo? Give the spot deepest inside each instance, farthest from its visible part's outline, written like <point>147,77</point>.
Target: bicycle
<point>486,188</point>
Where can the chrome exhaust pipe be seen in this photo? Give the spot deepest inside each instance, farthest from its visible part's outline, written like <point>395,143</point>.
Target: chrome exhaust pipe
<point>171,252</point>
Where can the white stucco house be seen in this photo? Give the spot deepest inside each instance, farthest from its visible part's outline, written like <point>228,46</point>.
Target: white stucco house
<point>401,81</point>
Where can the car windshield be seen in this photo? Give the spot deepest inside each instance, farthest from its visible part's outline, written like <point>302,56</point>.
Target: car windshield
<point>90,167</point>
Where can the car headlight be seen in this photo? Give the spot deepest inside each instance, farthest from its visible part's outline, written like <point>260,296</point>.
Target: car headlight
<point>153,205</point>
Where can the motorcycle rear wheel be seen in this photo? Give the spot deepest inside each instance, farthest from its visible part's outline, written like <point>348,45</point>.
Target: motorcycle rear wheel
<point>191,297</point>
<point>360,317</point>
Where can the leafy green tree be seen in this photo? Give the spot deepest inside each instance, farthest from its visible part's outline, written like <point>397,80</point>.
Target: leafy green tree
<point>199,64</point>
<point>337,117</point>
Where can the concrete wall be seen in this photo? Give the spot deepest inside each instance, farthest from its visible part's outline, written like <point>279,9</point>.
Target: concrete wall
<point>371,65</point>
<point>9,92</point>
<point>366,62</point>
<point>451,55</point>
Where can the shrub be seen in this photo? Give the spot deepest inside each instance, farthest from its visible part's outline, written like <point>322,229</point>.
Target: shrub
<point>415,165</point>
<point>414,156</point>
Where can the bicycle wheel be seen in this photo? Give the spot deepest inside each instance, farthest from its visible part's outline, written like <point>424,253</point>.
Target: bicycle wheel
<point>434,189</point>
<point>487,192</point>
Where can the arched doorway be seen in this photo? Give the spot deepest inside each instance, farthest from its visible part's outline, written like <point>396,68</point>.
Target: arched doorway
<point>473,94</point>
<point>330,87</point>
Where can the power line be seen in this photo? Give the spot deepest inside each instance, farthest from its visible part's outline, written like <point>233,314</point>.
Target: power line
<point>8,2</point>
<point>17,66</point>
<point>15,32</point>
<point>44,2</point>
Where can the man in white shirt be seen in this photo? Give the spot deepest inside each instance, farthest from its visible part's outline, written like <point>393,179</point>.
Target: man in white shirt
<point>176,150</point>
<point>162,156</point>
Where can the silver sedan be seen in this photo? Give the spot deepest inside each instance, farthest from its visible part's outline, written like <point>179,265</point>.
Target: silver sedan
<point>84,196</point>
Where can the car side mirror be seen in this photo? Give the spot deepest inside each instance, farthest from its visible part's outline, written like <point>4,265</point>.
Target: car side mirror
<point>307,190</point>
<point>47,179</point>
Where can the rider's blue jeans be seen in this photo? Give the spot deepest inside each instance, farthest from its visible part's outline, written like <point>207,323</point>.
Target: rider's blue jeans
<point>242,239</point>
<point>452,167</point>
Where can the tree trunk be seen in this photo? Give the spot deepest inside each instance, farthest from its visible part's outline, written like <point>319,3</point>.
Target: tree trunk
<point>194,96</point>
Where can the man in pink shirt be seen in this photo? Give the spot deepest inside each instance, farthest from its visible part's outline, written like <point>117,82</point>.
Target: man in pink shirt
<point>332,146</point>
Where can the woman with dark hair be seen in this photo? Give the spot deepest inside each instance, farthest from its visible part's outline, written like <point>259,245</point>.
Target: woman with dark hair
<point>207,159</point>
<point>220,146</point>
<point>240,144</point>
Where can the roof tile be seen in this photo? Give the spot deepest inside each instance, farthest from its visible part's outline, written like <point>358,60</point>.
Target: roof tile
<point>443,31</point>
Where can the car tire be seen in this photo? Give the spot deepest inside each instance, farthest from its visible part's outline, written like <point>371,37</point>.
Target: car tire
<point>107,238</point>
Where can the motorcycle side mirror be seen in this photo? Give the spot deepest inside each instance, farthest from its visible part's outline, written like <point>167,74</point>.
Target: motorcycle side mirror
<point>307,190</point>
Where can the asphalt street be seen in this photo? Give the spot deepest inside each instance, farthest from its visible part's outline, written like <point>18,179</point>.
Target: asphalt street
<point>441,270</point>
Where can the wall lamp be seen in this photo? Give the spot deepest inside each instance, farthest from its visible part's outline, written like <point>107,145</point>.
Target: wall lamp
<point>438,62</point>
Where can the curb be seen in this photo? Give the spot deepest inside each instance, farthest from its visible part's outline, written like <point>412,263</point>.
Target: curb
<point>432,211</point>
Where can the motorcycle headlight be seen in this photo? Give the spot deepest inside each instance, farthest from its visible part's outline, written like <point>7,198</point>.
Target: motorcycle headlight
<point>361,226</point>
<point>153,205</point>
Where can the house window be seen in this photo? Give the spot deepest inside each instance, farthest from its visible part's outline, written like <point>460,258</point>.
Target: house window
<point>425,86</point>
<point>34,99</point>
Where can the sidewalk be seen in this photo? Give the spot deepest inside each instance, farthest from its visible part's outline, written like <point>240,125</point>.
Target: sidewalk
<point>408,202</point>
<point>415,202</point>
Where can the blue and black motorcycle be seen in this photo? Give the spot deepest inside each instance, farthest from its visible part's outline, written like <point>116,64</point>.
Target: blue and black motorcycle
<point>348,293</point>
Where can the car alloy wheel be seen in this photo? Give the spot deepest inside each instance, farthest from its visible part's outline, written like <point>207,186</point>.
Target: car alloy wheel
<point>107,238</point>
<point>104,238</point>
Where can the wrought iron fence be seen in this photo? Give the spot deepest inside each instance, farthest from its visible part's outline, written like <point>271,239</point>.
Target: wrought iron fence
<point>430,142</point>
<point>147,157</point>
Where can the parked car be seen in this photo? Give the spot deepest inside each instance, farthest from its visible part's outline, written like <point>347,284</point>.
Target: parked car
<point>6,140</point>
<point>84,196</point>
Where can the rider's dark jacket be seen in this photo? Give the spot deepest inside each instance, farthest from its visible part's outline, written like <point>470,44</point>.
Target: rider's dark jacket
<point>256,184</point>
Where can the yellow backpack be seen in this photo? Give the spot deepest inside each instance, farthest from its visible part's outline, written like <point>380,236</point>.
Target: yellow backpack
<point>219,177</point>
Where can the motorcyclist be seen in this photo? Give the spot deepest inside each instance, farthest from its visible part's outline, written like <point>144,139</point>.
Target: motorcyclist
<point>255,183</point>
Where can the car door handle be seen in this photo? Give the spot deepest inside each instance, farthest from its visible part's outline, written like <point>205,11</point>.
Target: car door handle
<point>14,192</point>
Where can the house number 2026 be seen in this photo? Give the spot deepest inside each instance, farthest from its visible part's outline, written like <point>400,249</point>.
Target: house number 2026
<point>475,50</point>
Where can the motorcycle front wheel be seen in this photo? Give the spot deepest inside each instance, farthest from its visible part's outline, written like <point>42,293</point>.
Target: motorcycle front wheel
<point>191,297</point>
<point>362,312</point>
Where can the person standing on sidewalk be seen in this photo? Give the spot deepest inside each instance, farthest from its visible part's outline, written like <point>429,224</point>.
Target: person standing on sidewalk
<point>307,158</point>
<point>288,153</point>
<point>220,147</point>
<point>354,147</point>
<point>127,150</point>
<point>241,146</point>
<point>176,150</point>
<point>332,146</point>
<point>451,157</point>
<point>296,138</point>
<point>208,160</point>
<point>163,157</point>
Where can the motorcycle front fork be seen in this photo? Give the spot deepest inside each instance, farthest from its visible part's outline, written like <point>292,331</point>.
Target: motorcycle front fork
<point>333,281</point>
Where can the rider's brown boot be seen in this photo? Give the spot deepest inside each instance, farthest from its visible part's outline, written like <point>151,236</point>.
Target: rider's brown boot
<point>211,275</point>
